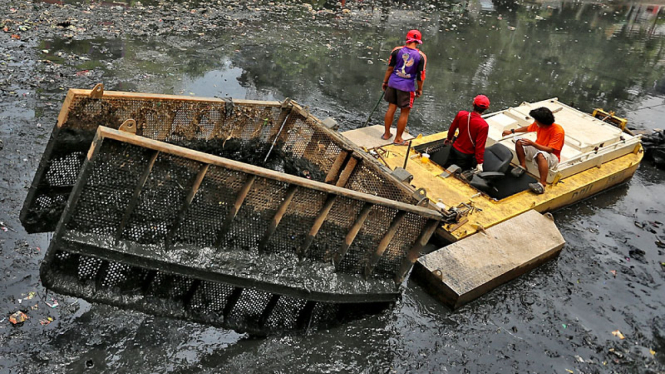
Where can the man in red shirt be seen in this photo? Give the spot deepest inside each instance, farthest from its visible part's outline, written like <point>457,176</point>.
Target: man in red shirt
<point>468,150</point>
<point>545,152</point>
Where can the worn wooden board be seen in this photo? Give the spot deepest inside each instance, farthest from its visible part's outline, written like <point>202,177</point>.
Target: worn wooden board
<point>370,136</point>
<point>469,268</point>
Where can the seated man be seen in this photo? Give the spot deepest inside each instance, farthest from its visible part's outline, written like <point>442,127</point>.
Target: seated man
<point>545,152</point>
<point>468,150</point>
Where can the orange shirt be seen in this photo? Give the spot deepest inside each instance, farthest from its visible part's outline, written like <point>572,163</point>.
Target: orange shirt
<point>549,136</point>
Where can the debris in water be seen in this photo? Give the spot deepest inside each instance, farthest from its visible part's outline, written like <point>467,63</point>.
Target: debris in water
<point>46,321</point>
<point>618,334</point>
<point>660,242</point>
<point>18,318</point>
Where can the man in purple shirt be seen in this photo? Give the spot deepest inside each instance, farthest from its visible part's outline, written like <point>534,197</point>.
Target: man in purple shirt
<point>406,68</point>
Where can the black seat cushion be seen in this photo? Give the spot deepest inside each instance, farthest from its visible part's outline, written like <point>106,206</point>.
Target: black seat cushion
<point>495,166</point>
<point>497,158</point>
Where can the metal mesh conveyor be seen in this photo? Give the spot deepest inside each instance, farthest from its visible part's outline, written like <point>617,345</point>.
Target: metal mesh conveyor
<point>148,220</point>
<point>242,130</point>
<point>180,231</point>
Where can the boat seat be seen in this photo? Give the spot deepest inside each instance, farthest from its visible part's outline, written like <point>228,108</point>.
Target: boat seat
<point>495,166</point>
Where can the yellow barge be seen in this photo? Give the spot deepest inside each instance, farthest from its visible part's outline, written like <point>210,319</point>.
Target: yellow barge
<point>596,156</point>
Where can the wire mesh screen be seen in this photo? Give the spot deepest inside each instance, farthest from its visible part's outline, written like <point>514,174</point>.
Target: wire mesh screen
<point>159,228</point>
<point>177,296</point>
<point>242,131</point>
<point>166,207</point>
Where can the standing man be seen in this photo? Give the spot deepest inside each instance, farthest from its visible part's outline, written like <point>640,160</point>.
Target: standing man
<point>545,152</point>
<point>468,151</point>
<point>406,66</point>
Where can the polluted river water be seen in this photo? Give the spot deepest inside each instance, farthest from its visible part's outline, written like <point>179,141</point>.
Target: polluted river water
<point>597,308</point>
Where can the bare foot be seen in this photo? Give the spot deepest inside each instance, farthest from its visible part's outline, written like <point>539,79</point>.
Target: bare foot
<point>386,136</point>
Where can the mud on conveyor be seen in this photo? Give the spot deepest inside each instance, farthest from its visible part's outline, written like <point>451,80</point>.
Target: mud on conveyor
<point>161,229</point>
<point>171,231</point>
<point>242,130</point>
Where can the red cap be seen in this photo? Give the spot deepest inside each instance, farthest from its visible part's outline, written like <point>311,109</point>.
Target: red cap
<point>481,101</point>
<point>414,36</point>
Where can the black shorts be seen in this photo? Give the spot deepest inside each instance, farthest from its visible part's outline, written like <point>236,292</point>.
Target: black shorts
<point>403,99</point>
<point>463,160</point>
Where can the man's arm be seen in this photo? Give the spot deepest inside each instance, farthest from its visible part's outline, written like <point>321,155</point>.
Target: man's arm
<point>480,144</point>
<point>452,129</point>
<point>514,131</point>
<point>386,77</point>
<point>539,147</point>
<point>420,75</point>
<point>392,61</point>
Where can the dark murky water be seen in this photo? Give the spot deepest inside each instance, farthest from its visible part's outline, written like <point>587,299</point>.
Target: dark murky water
<point>559,318</point>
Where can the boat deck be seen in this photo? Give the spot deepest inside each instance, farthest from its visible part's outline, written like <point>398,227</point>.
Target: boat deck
<point>488,212</point>
<point>583,171</point>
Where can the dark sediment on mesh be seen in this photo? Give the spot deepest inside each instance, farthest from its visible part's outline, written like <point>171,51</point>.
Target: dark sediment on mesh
<point>254,152</point>
<point>73,144</point>
<point>272,270</point>
<point>188,298</point>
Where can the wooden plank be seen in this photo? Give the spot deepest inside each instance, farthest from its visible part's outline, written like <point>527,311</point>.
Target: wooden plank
<point>351,235</point>
<point>147,282</point>
<point>86,169</point>
<point>101,274</point>
<point>261,172</point>
<point>318,222</point>
<point>304,320</point>
<point>467,269</point>
<point>414,252</point>
<point>64,110</point>
<point>135,196</point>
<point>187,298</point>
<point>370,137</point>
<point>333,173</point>
<point>267,312</point>
<point>231,302</point>
<point>278,217</point>
<point>203,169</point>
<point>151,96</point>
<point>346,173</point>
<point>240,199</point>
<point>368,161</point>
<point>383,244</point>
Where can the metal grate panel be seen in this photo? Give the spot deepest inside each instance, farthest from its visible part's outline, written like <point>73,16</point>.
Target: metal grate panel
<point>176,296</point>
<point>242,130</point>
